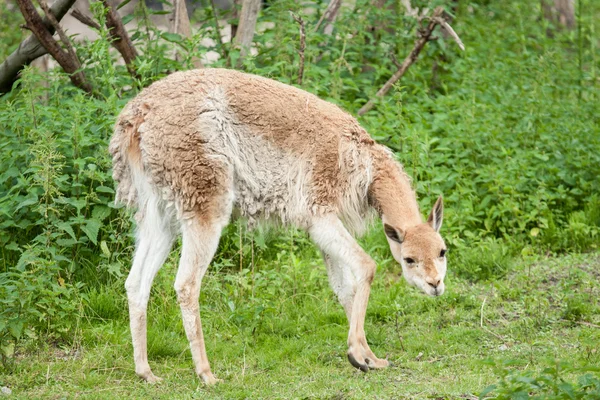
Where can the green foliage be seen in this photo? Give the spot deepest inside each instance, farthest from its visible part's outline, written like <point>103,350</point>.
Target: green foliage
<point>508,131</point>
<point>551,384</point>
<point>482,259</point>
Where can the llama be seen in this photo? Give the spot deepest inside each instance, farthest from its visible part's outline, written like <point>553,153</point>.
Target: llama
<point>197,145</point>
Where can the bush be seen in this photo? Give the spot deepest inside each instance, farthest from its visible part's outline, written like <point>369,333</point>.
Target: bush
<point>508,131</point>
<point>550,384</point>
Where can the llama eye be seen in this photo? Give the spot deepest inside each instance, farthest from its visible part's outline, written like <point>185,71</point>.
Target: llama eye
<point>409,260</point>
<point>443,253</point>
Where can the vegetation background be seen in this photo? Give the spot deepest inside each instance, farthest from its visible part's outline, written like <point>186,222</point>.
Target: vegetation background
<point>508,131</point>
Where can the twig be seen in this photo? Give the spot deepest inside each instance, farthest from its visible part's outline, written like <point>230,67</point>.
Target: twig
<point>61,34</point>
<point>330,14</point>
<point>481,312</point>
<point>425,36</point>
<point>69,64</point>
<point>395,61</point>
<point>585,323</point>
<point>217,29</point>
<point>484,327</point>
<point>84,19</point>
<point>300,21</point>
<point>450,31</point>
<point>122,42</point>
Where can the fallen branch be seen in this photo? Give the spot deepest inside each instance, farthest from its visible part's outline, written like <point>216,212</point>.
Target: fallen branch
<point>69,64</point>
<point>29,49</point>
<point>300,21</point>
<point>425,36</point>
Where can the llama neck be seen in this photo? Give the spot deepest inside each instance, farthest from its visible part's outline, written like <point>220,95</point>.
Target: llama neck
<point>392,195</point>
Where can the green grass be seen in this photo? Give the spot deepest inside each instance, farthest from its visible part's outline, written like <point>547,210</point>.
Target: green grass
<point>288,340</point>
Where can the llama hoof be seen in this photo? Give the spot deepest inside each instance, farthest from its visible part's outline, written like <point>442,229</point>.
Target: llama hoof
<point>377,363</point>
<point>357,364</point>
<point>209,379</point>
<point>149,377</point>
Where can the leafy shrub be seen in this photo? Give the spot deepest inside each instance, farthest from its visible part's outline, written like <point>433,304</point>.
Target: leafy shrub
<point>551,383</point>
<point>508,131</point>
<point>485,259</point>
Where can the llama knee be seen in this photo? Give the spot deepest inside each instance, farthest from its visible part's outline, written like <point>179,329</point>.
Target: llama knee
<point>369,268</point>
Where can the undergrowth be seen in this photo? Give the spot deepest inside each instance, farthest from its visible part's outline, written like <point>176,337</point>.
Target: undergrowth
<point>507,131</point>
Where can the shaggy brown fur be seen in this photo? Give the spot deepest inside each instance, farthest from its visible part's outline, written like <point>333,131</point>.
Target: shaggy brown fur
<point>163,122</point>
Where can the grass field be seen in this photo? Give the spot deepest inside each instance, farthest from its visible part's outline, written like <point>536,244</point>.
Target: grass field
<point>284,341</point>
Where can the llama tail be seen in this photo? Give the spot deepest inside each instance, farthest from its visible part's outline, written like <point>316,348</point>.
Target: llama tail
<point>126,155</point>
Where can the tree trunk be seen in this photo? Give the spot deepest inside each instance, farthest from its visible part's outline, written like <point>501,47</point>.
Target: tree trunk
<point>329,16</point>
<point>235,13</point>
<point>246,27</point>
<point>180,24</point>
<point>560,12</point>
<point>29,49</point>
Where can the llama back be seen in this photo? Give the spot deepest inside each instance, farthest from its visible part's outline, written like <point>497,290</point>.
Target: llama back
<point>276,151</point>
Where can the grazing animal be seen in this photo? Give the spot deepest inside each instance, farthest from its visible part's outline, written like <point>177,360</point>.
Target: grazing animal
<point>196,145</point>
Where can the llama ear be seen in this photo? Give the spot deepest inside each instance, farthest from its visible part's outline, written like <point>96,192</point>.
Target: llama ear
<point>397,235</point>
<point>437,215</point>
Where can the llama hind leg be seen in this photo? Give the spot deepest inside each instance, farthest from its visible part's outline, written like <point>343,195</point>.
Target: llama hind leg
<point>154,241</point>
<point>351,272</point>
<point>199,244</point>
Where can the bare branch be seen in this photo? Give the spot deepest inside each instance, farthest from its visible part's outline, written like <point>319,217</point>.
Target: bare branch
<point>70,65</point>
<point>29,49</point>
<point>395,61</point>
<point>84,19</point>
<point>330,14</point>
<point>300,21</point>
<point>61,34</point>
<point>425,36</point>
<point>446,26</point>
<point>121,39</point>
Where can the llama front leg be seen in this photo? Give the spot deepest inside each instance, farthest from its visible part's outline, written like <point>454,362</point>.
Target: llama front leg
<point>351,272</point>
<point>199,243</point>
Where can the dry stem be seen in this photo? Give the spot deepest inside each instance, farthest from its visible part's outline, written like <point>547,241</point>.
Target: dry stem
<point>425,36</point>
<point>300,21</point>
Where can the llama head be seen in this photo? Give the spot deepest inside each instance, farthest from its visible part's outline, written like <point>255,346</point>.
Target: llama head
<point>421,251</point>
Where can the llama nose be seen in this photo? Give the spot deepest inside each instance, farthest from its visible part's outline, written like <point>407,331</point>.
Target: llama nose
<point>435,284</point>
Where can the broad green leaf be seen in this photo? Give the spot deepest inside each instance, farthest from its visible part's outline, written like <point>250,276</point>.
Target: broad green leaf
<point>123,4</point>
<point>65,226</point>
<point>104,189</point>
<point>100,212</point>
<point>91,229</point>
<point>27,202</point>
<point>171,37</point>
<point>104,248</point>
